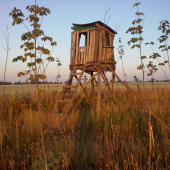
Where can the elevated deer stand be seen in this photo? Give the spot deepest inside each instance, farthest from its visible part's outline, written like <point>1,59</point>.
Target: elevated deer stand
<point>95,57</point>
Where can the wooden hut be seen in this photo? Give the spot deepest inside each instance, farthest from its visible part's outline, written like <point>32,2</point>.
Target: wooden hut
<point>97,47</point>
<point>95,56</point>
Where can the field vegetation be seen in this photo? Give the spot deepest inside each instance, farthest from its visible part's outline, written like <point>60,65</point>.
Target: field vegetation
<point>117,139</point>
<point>58,87</point>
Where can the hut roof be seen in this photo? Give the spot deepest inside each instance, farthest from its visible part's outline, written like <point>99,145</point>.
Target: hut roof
<point>79,27</point>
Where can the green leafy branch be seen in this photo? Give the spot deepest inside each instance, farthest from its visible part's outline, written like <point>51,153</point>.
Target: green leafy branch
<point>136,79</point>
<point>121,53</point>
<point>165,29</point>
<point>136,42</point>
<point>151,70</point>
<point>157,56</point>
<point>30,46</point>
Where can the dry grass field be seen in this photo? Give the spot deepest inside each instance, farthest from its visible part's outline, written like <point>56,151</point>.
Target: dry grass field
<point>58,87</point>
<point>117,138</point>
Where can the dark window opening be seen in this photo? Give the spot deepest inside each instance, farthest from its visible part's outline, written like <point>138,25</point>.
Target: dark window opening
<point>83,39</point>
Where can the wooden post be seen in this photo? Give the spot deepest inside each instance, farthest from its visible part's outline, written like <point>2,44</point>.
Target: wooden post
<point>98,93</point>
<point>71,50</point>
<point>74,48</point>
<point>100,46</point>
<point>93,46</point>
<point>96,45</point>
<point>106,81</point>
<point>77,45</point>
<point>90,46</point>
<point>93,92</point>
<point>68,91</point>
<point>113,82</point>
<point>87,47</point>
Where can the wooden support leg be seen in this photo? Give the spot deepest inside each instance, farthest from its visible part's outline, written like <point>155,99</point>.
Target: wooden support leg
<point>66,92</point>
<point>93,92</point>
<point>95,81</point>
<point>98,93</point>
<point>85,90</point>
<point>106,81</point>
<point>113,82</point>
<point>79,80</point>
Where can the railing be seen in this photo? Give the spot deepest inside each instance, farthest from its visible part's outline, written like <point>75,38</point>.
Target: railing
<point>81,55</point>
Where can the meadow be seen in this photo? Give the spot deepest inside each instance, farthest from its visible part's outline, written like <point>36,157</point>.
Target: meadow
<point>32,88</point>
<point>118,138</point>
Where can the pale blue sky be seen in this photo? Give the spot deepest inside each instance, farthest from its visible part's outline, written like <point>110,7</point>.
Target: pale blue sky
<point>58,25</point>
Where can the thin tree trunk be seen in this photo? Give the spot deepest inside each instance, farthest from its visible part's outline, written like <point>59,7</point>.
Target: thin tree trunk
<point>7,52</point>
<point>35,41</point>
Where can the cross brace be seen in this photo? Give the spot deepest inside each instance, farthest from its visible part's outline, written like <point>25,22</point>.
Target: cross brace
<point>67,96</point>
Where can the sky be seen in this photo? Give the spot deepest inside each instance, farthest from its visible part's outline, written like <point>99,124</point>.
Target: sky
<point>58,26</point>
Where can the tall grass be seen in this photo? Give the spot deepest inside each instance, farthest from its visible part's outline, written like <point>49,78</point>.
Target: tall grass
<point>117,139</point>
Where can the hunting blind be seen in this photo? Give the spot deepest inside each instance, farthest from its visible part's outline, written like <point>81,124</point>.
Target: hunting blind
<point>95,56</point>
<point>98,44</point>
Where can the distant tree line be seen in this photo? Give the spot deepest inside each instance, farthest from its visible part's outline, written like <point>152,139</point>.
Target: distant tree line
<point>146,81</point>
<point>46,82</point>
<point>6,83</point>
<point>31,82</point>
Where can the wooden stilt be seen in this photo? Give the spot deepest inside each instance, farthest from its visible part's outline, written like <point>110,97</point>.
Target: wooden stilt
<point>85,90</point>
<point>113,82</point>
<point>93,92</point>
<point>98,93</point>
<point>67,91</point>
<point>106,80</point>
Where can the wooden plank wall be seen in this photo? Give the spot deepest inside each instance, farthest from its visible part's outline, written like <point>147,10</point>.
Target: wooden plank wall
<point>111,44</point>
<point>106,51</point>
<point>73,48</point>
<point>95,38</point>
